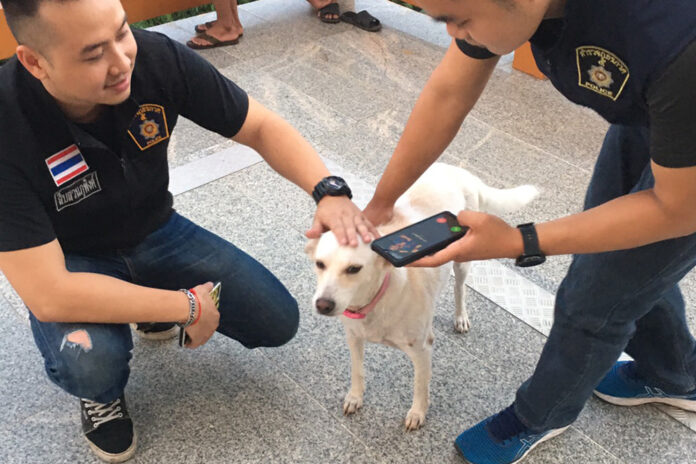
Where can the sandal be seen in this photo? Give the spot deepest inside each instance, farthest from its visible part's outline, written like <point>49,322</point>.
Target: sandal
<point>201,28</point>
<point>363,20</point>
<point>330,10</point>
<point>212,42</point>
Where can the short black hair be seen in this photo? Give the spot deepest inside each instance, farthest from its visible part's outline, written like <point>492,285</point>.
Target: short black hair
<point>19,12</point>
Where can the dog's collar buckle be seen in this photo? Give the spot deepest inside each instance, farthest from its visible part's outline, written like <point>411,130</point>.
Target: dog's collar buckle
<point>362,312</point>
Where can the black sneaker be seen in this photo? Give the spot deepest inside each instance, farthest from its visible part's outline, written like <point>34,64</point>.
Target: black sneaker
<point>108,429</point>
<point>156,330</point>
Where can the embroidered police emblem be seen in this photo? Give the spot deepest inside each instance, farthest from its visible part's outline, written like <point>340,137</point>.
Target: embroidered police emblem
<point>149,126</point>
<point>149,129</point>
<point>601,71</point>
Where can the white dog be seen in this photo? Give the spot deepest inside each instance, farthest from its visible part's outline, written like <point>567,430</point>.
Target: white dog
<point>394,306</point>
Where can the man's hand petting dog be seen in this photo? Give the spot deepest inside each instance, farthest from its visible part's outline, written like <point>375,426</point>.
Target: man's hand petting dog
<point>344,219</point>
<point>488,237</point>
<point>201,331</point>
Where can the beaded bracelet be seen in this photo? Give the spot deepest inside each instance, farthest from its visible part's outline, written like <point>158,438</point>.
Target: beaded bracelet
<point>192,308</point>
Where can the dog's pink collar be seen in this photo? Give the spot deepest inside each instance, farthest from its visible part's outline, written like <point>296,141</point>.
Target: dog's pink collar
<point>360,313</point>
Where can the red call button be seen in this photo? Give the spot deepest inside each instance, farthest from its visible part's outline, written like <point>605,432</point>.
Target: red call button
<point>441,220</point>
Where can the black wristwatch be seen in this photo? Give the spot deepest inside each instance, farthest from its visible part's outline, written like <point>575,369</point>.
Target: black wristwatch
<point>532,255</point>
<point>333,186</point>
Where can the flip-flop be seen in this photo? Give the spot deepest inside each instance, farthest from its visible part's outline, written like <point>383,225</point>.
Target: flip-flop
<point>208,25</point>
<point>363,20</point>
<point>328,10</point>
<point>212,42</point>
<point>201,28</point>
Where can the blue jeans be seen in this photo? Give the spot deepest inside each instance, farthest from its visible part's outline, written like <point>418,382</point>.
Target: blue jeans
<point>91,360</point>
<point>610,302</point>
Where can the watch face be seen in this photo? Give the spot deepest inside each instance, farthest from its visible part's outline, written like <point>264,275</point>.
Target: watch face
<point>334,183</point>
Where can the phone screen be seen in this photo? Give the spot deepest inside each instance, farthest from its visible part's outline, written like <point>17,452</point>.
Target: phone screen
<point>422,238</point>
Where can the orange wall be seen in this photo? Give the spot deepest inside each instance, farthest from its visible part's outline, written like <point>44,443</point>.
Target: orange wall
<point>7,43</point>
<point>137,11</point>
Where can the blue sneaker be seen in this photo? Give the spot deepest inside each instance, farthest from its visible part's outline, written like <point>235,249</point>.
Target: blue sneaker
<point>500,439</point>
<point>624,387</point>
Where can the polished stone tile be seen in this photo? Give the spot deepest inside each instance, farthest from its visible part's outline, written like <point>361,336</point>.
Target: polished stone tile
<point>10,300</point>
<point>639,434</point>
<point>212,167</point>
<point>237,406</point>
<point>542,117</point>
<point>397,17</point>
<point>190,142</point>
<point>366,147</point>
<point>284,203</point>
<point>303,111</point>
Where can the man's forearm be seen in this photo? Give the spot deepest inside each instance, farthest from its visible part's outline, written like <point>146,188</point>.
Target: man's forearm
<point>96,298</point>
<point>289,154</point>
<point>626,222</point>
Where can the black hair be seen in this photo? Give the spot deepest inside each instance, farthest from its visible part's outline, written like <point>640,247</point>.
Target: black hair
<point>19,12</point>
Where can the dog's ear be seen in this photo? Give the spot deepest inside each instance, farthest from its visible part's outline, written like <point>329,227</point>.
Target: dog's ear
<point>311,247</point>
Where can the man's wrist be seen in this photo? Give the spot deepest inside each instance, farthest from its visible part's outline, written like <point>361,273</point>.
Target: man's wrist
<point>532,254</point>
<point>193,307</point>
<point>332,186</point>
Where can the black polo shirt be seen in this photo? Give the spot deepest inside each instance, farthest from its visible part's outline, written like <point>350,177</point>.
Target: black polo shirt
<point>104,185</point>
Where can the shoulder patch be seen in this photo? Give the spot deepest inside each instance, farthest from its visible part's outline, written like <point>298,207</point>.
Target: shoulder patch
<point>149,126</point>
<point>601,71</point>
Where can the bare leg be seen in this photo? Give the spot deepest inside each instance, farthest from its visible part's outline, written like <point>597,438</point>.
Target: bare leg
<point>421,357</point>
<point>461,316</point>
<point>354,398</point>
<point>227,26</point>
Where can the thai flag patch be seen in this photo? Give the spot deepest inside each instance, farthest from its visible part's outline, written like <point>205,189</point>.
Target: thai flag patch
<point>66,165</point>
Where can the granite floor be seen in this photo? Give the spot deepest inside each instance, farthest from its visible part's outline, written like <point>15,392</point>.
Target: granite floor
<point>350,93</point>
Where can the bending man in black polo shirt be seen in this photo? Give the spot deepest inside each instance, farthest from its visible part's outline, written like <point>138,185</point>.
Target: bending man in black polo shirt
<point>634,62</point>
<point>88,236</point>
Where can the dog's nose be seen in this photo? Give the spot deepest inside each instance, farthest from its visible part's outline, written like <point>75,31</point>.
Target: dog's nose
<point>325,306</point>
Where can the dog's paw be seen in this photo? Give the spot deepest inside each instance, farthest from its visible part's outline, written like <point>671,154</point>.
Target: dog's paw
<point>414,419</point>
<point>351,404</point>
<point>462,324</point>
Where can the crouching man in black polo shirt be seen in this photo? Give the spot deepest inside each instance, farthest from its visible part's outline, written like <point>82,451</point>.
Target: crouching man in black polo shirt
<point>88,236</point>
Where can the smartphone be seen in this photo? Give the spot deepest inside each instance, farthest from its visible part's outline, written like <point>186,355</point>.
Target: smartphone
<point>215,295</point>
<point>420,239</point>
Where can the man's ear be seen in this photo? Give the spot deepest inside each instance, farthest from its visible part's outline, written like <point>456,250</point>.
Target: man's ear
<point>32,60</point>
<point>311,247</point>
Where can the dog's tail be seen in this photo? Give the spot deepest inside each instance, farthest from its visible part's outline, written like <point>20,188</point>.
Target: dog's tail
<point>501,201</point>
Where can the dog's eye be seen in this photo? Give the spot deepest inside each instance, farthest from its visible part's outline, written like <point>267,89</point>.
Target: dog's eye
<point>321,265</point>
<point>353,269</point>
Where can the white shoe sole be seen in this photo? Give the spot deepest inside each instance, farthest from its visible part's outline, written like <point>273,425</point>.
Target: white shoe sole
<point>550,435</point>
<point>121,457</point>
<point>688,405</point>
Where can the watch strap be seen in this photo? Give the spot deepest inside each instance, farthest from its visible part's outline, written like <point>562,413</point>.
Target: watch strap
<point>532,255</point>
<point>325,187</point>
